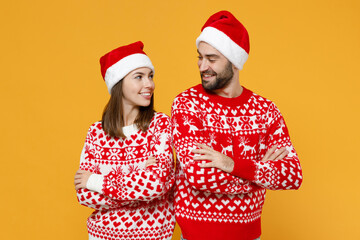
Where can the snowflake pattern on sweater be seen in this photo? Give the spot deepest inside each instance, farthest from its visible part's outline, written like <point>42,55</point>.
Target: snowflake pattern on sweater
<point>131,202</point>
<point>243,128</point>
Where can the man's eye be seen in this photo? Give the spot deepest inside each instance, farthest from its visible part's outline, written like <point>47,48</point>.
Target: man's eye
<point>151,76</point>
<point>212,60</point>
<point>138,77</point>
<point>200,58</point>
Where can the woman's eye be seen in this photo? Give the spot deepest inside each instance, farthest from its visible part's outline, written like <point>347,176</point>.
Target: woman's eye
<point>151,76</point>
<point>138,77</point>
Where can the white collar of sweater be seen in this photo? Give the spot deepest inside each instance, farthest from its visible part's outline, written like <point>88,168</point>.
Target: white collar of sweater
<point>130,130</point>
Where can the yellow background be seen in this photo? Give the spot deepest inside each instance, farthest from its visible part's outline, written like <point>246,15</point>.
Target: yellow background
<point>304,56</point>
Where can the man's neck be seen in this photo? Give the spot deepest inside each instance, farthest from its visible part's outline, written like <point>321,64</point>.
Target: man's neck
<point>232,90</point>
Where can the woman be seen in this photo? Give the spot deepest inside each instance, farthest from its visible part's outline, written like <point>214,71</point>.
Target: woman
<point>126,169</point>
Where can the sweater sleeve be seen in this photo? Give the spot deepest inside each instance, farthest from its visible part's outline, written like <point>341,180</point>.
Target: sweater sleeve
<point>90,198</point>
<point>96,200</point>
<point>142,184</point>
<point>188,130</point>
<point>275,175</point>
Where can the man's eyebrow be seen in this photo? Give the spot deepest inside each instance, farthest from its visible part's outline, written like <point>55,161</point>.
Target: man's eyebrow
<point>209,55</point>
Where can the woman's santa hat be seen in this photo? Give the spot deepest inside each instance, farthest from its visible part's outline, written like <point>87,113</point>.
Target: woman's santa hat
<point>116,64</point>
<point>227,35</point>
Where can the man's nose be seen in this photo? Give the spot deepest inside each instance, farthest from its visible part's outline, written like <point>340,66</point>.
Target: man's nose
<point>203,66</point>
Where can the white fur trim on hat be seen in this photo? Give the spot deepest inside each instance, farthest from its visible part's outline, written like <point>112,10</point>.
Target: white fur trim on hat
<point>127,64</point>
<point>221,42</point>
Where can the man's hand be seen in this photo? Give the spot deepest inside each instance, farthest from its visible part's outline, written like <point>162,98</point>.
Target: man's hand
<point>151,161</point>
<point>217,159</point>
<point>81,178</point>
<point>275,154</point>
<point>225,163</point>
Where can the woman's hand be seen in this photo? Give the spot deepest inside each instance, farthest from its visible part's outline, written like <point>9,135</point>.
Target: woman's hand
<point>81,178</point>
<point>151,161</point>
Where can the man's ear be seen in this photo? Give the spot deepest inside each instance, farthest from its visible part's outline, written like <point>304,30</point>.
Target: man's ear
<point>234,68</point>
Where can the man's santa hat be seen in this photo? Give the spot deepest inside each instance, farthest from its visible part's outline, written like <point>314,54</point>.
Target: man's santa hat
<point>227,35</point>
<point>116,64</point>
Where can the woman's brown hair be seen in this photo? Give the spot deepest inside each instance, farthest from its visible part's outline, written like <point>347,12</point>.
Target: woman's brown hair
<point>113,115</point>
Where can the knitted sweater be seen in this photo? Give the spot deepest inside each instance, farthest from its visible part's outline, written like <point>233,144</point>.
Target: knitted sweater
<point>212,204</point>
<point>131,202</point>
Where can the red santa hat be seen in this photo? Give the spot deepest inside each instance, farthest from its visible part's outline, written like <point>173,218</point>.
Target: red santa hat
<point>116,64</point>
<point>227,35</point>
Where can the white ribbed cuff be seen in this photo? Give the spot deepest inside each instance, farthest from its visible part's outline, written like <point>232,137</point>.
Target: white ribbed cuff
<point>221,42</point>
<point>95,183</point>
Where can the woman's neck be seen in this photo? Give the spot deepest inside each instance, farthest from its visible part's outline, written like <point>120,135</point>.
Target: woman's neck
<point>130,114</point>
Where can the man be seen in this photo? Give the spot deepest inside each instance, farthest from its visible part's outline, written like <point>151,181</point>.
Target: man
<point>231,144</point>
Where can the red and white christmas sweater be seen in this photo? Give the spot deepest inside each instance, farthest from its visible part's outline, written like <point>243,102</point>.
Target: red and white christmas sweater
<point>212,204</point>
<point>131,202</point>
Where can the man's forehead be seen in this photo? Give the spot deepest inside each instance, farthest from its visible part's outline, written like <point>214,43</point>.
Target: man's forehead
<point>208,50</point>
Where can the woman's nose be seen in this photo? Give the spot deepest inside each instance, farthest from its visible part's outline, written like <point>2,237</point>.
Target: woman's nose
<point>149,83</point>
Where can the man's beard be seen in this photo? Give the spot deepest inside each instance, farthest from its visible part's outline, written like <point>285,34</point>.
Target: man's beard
<point>222,79</point>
